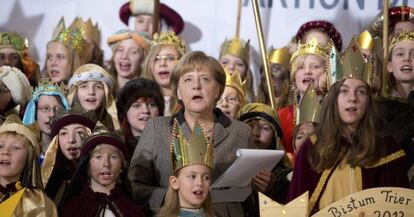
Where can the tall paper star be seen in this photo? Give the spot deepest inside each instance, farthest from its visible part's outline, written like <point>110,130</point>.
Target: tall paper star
<point>23,25</point>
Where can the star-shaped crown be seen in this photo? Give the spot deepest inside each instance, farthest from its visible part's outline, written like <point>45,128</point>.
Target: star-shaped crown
<point>88,30</point>
<point>234,80</point>
<point>70,37</point>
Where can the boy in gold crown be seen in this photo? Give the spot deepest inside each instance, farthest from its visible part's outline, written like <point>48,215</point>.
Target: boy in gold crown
<point>20,182</point>
<point>189,185</point>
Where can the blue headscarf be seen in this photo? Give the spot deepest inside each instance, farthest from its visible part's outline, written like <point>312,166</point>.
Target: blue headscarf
<point>44,88</point>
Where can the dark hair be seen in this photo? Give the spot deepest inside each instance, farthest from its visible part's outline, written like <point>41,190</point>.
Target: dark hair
<point>135,89</point>
<point>129,93</point>
<point>364,152</point>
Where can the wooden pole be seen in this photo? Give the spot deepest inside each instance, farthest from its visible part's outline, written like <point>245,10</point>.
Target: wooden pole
<point>239,9</point>
<point>385,74</point>
<point>156,17</point>
<point>263,53</point>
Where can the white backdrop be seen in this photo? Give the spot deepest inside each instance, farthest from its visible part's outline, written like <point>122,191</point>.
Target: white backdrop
<point>207,22</point>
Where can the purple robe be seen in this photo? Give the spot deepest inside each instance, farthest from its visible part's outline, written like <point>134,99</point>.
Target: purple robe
<point>87,204</point>
<point>388,174</point>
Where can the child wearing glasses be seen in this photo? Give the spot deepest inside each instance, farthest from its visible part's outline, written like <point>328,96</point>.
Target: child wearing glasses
<point>166,49</point>
<point>233,97</point>
<point>47,100</point>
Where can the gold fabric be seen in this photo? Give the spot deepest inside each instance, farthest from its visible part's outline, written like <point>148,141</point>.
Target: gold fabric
<point>197,150</point>
<point>49,160</point>
<point>14,124</point>
<point>342,182</point>
<point>236,47</point>
<point>35,203</point>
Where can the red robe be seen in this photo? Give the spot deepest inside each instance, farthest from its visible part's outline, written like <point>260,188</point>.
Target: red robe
<point>286,121</point>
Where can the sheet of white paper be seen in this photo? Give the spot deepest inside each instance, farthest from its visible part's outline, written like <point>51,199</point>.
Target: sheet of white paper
<point>248,163</point>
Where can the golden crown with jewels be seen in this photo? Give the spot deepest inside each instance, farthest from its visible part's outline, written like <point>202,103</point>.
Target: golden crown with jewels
<point>72,38</point>
<point>169,38</point>
<point>312,47</point>
<point>88,30</point>
<point>403,36</point>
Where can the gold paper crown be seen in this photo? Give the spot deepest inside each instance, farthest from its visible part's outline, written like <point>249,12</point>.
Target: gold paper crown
<point>72,38</point>
<point>280,56</point>
<point>236,47</point>
<point>197,151</point>
<point>15,40</point>
<point>403,36</point>
<point>169,38</point>
<point>234,80</point>
<point>88,30</point>
<point>309,108</point>
<point>354,65</point>
<point>312,47</point>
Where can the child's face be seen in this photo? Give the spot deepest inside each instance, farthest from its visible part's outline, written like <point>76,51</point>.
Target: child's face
<point>309,72</point>
<point>91,95</point>
<point>143,23</point>
<point>193,184</point>
<point>128,57</point>
<point>13,156</point>
<point>234,63</point>
<point>164,64</point>
<point>70,140</point>
<point>140,112</point>
<point>229,102</point>
<point>305,130</point>
<point>352,102</point>
<point>262,133</point>
<point>402,62</point>
<point>57,62</point>
<point>47,107</point>
<point>105,167</point>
